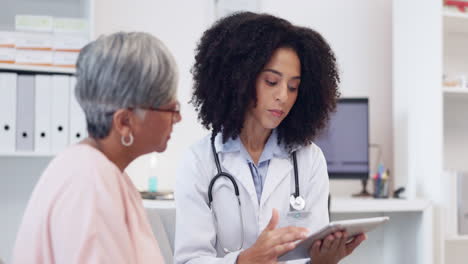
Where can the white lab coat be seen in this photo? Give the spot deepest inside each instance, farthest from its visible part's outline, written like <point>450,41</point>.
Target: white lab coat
<point>197,238</point>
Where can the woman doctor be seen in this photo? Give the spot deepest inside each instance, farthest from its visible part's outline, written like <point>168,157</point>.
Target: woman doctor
<point>265,88</point>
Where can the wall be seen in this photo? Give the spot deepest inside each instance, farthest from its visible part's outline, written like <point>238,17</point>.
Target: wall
<point>417,106</point>
<point>358,31</point>
<point>178,24</point>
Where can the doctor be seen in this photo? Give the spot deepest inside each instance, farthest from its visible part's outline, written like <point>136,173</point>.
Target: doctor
<point>244,194</point>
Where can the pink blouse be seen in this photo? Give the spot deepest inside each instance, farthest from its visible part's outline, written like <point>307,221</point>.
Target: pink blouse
<point>85,210</point>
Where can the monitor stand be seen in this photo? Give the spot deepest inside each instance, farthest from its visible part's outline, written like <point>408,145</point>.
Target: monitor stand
<point>364,192</point>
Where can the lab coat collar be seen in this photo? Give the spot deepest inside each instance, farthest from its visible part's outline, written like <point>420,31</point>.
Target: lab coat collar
<point>272,148</point>
<point>279,168</point>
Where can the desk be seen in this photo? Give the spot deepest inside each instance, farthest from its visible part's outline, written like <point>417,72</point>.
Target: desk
<point>406,239</point>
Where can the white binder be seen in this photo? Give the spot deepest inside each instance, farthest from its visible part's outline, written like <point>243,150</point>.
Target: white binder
<point>60,112</point>
<point>25,100</point>
<point>7,111</point>
<point>77,116</point>
<point>42,131</point>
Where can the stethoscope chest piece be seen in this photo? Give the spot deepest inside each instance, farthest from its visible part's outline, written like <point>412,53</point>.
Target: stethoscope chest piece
<point>297,203</point>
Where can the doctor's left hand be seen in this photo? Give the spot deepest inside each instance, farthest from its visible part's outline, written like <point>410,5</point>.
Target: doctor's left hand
<point>272,242</point>
<point>334,248</point>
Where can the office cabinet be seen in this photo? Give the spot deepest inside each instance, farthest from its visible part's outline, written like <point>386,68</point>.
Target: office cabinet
<point>27,91</point>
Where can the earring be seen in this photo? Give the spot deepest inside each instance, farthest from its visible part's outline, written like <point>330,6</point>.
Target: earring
<point>129,142</point>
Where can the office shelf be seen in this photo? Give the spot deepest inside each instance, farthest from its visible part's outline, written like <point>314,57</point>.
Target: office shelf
<point>27,154</point>
<point>455,92</point>
<point>30,68</point>
<point>455,21</point>
<point>343,205</point>
<point>450,90</point>
<point>158,204</point>
<point>461,238</point>
<point>354,205</point>
<point>454,13</point>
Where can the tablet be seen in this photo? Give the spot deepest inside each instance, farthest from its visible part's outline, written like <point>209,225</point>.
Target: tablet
<point>353,227</point>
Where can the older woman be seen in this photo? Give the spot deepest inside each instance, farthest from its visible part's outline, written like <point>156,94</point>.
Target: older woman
<point>85,209</point>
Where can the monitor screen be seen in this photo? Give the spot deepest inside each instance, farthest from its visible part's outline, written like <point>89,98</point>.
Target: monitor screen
<point>345,140</point>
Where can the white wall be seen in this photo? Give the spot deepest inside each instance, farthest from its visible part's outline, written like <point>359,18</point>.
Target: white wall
<point>418,105</point>
<point>358,31</point>
<point>417,108</point>
<point>179,24</point>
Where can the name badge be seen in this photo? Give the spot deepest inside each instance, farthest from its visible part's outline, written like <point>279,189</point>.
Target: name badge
<point>298,218</point>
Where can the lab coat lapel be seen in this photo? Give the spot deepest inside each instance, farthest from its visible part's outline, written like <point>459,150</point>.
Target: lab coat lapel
<point>235,165</point>
<point>278,170</point>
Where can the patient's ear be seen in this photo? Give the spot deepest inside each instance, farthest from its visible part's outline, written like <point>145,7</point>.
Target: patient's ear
<point>123,121</point>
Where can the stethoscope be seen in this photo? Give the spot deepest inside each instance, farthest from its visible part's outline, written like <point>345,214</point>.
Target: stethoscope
<point>295,200</point>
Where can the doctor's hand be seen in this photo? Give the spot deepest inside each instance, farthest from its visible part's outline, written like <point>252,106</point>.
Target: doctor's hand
<point>334,248</point>
<point>272,242</point>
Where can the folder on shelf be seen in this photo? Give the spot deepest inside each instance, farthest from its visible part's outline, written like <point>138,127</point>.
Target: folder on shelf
<point>7,55</point>
<point>65,59</point>
<point>72,26</point>
<point>7,39</point>
<point>34,57</point>
<point>7,111</point>
<point>60,112</point>
<point>34,23</point>
<point>25,113</point>
<point>77,116</point>
<point>42,134</point>
<point>68,42</point>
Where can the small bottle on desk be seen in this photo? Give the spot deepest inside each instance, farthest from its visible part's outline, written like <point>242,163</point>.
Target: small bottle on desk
<point>152,183</point>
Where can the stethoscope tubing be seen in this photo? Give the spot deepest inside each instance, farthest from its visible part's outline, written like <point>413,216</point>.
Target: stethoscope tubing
<point>233,181</point>
<point>236,190</point>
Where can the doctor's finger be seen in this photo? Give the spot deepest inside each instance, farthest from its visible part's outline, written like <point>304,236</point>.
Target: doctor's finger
<point>342,244</point>
<point>282,238</point>
<point>287,234</point>
<point>315,248</point>
<point>291,229</point>
<point>281,249</point>
<point>273,220</point>
<point>355,243</point>
<point>327,242</point>
<point>337,241</point>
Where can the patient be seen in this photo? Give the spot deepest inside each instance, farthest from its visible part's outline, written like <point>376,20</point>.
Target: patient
<point>85,209</point>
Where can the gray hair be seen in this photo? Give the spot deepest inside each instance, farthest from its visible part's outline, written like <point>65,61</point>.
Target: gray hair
<point>123,70</point>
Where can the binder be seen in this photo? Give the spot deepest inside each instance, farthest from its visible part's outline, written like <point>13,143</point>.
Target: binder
<point>60,112</point>
<point>77,116</point>
<point>7,111</point>
<point>25,113</point>
<point>42,134</point>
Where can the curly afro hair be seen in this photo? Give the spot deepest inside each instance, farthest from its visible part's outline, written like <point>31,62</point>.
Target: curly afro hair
<point>230,56</point>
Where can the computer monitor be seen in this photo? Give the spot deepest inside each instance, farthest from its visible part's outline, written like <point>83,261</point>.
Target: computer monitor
<point>345,140</point>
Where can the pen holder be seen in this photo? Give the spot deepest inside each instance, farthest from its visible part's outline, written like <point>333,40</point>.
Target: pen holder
<point>380,188</point>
